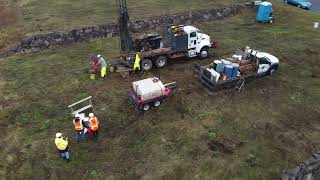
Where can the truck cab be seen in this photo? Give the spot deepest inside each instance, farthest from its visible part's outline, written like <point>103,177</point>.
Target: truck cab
<point>267,63</point>
<point>198,42</point>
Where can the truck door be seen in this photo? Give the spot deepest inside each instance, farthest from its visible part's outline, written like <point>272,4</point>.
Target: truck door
<point>192,44</point>
<point>264,65</point>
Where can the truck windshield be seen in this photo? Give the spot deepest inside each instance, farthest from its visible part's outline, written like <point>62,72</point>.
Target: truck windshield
<point>193,34</point>
<point>264,60</point>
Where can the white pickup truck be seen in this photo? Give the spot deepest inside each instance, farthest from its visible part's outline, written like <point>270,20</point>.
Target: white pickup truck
<point>267,63</point>
<point>246,64</point>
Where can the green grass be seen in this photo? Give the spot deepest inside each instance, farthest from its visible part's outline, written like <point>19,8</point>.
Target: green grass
<point>275,118</point>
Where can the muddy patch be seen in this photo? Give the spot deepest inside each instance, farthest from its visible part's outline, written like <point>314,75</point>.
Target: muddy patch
<point>7,15</point>
<point>223,145</point>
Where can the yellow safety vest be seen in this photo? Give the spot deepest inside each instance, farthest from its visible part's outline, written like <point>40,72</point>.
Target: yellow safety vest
<point>61,143</point>
<point>137,62</point>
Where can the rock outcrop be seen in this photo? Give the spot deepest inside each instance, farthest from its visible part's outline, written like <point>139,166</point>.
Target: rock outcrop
<point>308,170</point>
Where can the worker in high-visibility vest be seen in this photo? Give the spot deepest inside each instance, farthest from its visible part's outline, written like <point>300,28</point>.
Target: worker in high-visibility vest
<point>103,64</point>
<point>62,145</point>
<point>137,61</point>
<point>93,126</point>
<point>78,127</point>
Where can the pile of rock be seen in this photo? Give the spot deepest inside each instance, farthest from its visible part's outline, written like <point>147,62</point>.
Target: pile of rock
<point>43,41</point>
<point>308,170</point>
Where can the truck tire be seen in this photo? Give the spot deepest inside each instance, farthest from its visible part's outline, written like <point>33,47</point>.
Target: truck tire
<point>272,70</point>
<point>157,103</point>
<point>204,53</point>
<point>146,64</point>
<point>161,61</point>
<point>145,107</point>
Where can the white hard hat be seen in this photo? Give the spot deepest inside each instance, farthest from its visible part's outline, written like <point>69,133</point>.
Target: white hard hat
<point>77,116</point>
<point>91,115</point>
<point>58,135</point>
<point>99,56</point>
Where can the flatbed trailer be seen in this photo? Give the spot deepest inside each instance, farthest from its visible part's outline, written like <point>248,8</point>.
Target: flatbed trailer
<point>260,63</point>
<point>235,83</point>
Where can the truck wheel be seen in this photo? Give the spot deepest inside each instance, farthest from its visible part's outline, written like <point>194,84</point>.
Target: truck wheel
<point>146,65</point>
<point>204,53</point>
<point>272,71</point>
<point>156,103</point>
<point>161,61</point>
<point>146,107</point>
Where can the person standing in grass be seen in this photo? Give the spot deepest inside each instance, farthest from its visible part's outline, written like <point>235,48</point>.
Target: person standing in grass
<point>78,127</point>
<point>103,64</point>
<point>93,126</point>
<point>137,62</point>
<point>62,145</point>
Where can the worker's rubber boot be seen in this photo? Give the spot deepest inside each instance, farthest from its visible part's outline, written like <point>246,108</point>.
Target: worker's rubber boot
<point>67,156</point>
<point>84,139</point>
<point>95,135</point>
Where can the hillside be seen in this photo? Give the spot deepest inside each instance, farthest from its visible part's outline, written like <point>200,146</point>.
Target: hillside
<point>270,127</point>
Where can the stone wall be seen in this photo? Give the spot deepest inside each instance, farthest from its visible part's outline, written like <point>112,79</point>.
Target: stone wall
<point>53,39</point>
<point>308,170</point>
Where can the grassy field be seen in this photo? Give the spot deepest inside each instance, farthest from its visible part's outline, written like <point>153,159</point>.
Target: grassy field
<point>40,16</point>
<point>270,127</point>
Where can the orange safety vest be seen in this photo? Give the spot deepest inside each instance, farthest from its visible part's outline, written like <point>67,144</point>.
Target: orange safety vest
<point>78,125</point>
<point>94,123</point>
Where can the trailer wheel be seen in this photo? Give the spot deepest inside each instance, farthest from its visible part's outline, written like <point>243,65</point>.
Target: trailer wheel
<point>146,107</point>
<point>156,103</point>
<point>161,61</point>
<point>146,65</point>
<point>204,53</point>
<point>271,21</point>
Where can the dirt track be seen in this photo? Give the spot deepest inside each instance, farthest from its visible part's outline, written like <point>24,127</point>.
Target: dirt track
<point>7,15</point>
